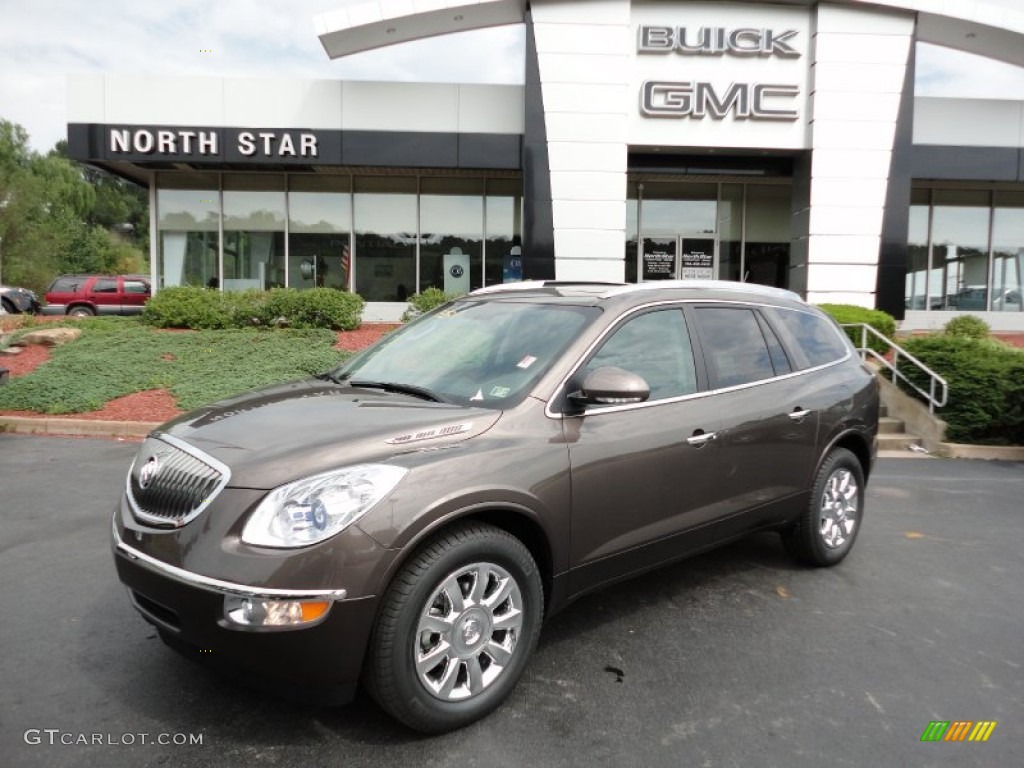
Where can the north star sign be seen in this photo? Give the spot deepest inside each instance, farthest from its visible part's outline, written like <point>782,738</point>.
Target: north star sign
<point>696,99</point>
<point>207,143</point>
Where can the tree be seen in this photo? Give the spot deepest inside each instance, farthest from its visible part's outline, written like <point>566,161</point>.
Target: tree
<point>57,216</point>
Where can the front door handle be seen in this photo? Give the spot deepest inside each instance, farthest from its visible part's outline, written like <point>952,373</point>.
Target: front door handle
<point>799,414</point>
<point>700,438</point>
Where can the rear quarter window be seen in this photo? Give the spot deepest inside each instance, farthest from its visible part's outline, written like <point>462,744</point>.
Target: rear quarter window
<point>814,340</point>
<point>65,285</point>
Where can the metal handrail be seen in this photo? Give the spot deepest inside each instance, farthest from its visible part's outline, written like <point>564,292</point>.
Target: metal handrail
<point>934,380</point>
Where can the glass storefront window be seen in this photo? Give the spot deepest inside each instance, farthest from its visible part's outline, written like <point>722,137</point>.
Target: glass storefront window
<point>503,225</point>
<point>188,222</point>
<point>768,217</point>
<point>916,295</point>
<point>960,223</point>
<point>730,232</point>
<point>451,235</point>
<point>386,236</point>
<point>632,222</point>
<point>1008,252</point>
<point>319,223</point>
<point>254,215</point>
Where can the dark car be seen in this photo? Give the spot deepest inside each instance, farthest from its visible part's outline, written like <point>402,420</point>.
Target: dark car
<point>16,300</point>
<point>410,519</point>
<point>87,295</point>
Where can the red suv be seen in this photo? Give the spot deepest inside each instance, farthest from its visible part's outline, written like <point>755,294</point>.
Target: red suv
<point>85,295</point>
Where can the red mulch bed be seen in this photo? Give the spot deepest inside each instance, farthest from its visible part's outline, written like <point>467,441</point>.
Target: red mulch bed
<point>363,336</point>
<point>157,404</point>
<point>27,361</point>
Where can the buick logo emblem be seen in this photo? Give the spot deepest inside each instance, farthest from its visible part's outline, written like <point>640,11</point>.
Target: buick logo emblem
<point>148,472</point>
<point>457,271</point>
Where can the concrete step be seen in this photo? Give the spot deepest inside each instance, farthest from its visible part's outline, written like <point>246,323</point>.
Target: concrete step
<point>898,441</point>
<point>887,425</point>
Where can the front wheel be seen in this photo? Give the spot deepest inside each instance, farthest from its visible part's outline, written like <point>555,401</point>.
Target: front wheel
<point>825,532</point>
<point>81,312</point>
<point>456,629</point>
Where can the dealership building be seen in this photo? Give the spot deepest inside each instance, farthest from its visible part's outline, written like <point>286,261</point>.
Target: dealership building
<point>774,142</point>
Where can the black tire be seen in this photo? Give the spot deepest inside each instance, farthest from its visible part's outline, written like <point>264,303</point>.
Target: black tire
<point>825,532</point>
<point>421,591</point>
<point>8,307</point>
<point>80,311</point>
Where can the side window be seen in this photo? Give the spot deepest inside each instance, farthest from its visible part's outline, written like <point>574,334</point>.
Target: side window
<point>135,286</point>
<point>780,362</point>
<point>734,347</point>
<point>105,286</point>
<point>811,337</point>
<point>64,285</point>
<point>656,346</point>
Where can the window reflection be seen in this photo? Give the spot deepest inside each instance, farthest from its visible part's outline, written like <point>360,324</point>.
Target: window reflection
<point>960,249</point>
<point>386,238</point>
<point>253,231</point>
<point>451,235</point>
<point>188,213</point>
<point>1008,252</point>
<point>320,219</point>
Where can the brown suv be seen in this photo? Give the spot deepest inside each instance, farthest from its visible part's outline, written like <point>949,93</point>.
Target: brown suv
<point>86,295</point>
<point>410,519</point>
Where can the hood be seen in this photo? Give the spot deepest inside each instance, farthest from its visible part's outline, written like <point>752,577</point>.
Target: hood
<point>278,434</point>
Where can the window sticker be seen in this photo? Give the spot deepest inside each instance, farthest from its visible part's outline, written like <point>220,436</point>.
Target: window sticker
<point>477,397</point>
<point>500,391</point>
<point>526,362</point>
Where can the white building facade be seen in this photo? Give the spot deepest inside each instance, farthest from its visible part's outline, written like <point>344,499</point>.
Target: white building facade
<point>779,143</point>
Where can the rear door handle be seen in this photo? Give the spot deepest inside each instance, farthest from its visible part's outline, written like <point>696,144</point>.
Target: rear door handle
<point>799,414</point>
<point>700,438</point>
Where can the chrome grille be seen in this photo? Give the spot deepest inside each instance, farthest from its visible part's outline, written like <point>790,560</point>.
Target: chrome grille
<point>171,482</point>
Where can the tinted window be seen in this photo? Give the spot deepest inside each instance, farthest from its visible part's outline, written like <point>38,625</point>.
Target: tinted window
<point>135,286</point>
<point>811,337</point>
<point>734,347</point>
<point>779,360</point>
<point>655,346</point>
<point>105,286</point>
<point>65,285</point>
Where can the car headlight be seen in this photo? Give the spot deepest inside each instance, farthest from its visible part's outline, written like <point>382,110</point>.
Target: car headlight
<point>318,507</point>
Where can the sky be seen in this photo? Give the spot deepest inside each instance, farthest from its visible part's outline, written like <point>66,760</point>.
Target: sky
<point>41,41</point>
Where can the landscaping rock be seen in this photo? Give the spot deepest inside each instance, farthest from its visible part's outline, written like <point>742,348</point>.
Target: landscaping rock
<point>51,337</point>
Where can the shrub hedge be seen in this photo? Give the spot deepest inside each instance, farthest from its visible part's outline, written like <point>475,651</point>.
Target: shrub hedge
<point>204,309</point>
<point>881,321</point>
<point>986,386</point>
<point>968,326</point>
<point>423,302</point>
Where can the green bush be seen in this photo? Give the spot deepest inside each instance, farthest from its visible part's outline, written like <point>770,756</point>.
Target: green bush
<point>967,326</point>
<point>203,309</point>
<point>881,321</point>
<point>986,386</point>
<point>423,302</point>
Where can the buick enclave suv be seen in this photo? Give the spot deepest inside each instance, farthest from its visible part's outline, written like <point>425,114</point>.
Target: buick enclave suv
<point>410,519</point>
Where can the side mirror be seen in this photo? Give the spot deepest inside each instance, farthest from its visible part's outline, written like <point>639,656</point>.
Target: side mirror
<point>611,386</point>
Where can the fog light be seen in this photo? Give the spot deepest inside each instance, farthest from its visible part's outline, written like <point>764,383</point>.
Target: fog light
<point>259,612</point>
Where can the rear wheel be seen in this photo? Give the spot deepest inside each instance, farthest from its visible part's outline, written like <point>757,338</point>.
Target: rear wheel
<point>8,306</point>
<point>81,312</point>
<point>826,530</point>
<point>456,629</point>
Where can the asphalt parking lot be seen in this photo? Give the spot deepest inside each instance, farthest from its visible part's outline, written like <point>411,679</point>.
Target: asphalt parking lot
<point>735,658</point>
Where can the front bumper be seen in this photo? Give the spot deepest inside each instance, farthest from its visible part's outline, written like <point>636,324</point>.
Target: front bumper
<point>317,663</point>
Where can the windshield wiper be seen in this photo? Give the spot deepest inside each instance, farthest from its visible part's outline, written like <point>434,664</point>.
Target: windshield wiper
<point>401,389</point>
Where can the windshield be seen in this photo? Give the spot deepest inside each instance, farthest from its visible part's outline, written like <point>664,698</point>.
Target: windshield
<point>481,353</point>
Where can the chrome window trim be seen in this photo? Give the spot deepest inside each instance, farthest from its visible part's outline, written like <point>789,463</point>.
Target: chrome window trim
<point>219,586</point>
<point>598,410</point>
<point>164,522</point>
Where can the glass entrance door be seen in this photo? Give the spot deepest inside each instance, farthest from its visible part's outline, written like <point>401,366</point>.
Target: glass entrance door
<point>682,257</point>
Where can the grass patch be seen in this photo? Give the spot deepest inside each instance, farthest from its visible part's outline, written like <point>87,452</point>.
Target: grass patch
<point>113,359</point>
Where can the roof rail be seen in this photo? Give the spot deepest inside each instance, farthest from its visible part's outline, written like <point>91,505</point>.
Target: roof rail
<point>538,285</point>
<point>710,285</point>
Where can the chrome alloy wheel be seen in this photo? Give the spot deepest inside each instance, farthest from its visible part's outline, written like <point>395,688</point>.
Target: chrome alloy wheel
<point>839,505</point>
<point>468,631</point>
